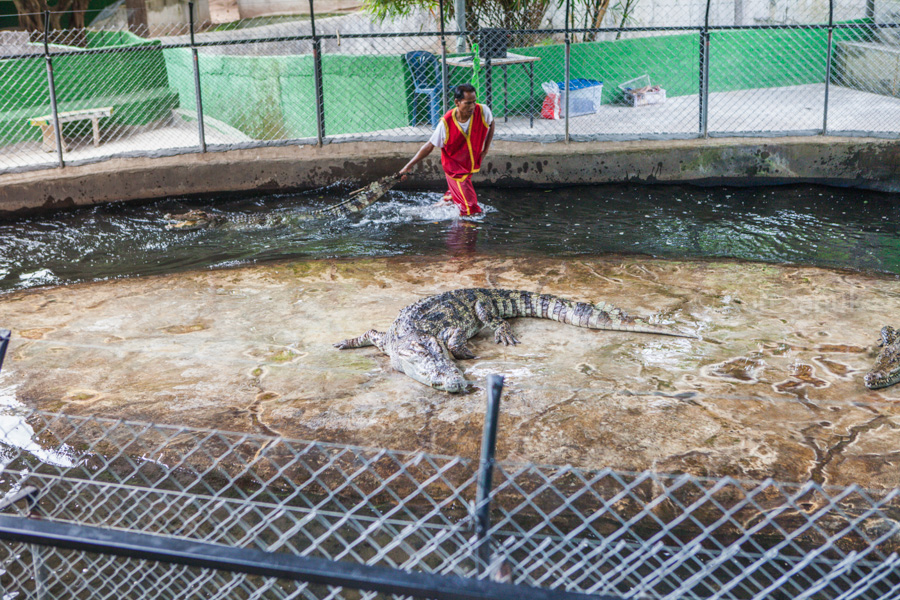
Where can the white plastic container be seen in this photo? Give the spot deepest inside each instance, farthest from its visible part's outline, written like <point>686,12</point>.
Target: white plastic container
<point>635,98</point>
<point>584,96</point>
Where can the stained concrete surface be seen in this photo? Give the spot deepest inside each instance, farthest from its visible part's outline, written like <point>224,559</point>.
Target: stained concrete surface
<point>854,162</point>
<point>773,389</point>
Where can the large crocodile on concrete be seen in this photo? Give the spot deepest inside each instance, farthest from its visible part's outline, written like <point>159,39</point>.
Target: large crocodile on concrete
<point>887,364</point>
<point>194,220</point>
<point>426,335</point>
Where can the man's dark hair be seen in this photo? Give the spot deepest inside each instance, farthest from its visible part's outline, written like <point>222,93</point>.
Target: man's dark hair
<point>463,89</point>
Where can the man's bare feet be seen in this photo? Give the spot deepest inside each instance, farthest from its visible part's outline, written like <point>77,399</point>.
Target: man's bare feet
<point>445,200</point>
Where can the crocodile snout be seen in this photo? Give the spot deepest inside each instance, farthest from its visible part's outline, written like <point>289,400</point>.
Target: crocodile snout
<point>879,379</point>
<point>454,385</point>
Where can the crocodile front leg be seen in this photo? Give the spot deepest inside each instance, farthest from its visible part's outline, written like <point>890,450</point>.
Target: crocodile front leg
<point>502,330</point>
<point>889,335</point>
<point>369,338</point>
<point>456,339</point>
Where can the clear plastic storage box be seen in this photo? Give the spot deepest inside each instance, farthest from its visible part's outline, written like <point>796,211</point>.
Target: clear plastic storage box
<point>636,95</point>
<point>585,96</point>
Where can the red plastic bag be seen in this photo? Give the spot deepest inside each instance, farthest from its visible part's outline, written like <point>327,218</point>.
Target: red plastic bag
<point>550,107</point>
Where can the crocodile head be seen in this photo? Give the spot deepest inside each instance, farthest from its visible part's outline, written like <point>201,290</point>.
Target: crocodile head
<point>193,220</point>
<point>887,364</point>
<point>424,358</point>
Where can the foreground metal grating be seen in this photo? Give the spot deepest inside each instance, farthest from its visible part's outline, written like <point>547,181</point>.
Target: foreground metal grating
<point>629,535</point>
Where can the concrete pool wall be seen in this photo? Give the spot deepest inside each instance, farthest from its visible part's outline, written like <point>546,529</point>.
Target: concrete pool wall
<point>855,162</point>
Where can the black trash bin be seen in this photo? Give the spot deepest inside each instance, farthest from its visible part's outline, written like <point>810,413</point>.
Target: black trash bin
<point>492,42</point>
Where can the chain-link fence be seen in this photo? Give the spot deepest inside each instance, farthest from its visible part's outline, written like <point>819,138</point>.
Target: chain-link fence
<point>581,70</point>
<point>96,508</point>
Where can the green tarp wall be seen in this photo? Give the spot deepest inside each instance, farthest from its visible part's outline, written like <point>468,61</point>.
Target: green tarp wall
<point>273,97</point>
<point>133,83</point>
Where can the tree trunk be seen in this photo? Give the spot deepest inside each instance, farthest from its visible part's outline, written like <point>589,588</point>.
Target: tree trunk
<point>626,12</point>
<point>137,17</point>
<point>65,14</point>
<point>30,14</point>
<point>599,10</point>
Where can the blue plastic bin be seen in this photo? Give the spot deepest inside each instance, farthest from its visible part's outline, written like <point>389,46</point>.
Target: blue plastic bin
<point>585,96</point>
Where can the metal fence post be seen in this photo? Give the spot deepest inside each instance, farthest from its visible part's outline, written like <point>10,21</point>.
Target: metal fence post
<point>317,74</point>
<point>4,343</point>
<point>56,128</point>
<point>704,74</point>
<point>828,59</point>
<point>444,81</point>
<point>40,571</point>
<point>486,469</point>
<point>568,65</point>
<point>459,7</point>
<point>200,126</point>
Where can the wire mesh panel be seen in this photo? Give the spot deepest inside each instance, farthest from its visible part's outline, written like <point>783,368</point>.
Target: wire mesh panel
<point>518,82</point>
<point>40,572</point>
<point>632,535</point>
<point>650,87</point>
<point>256,93</point>
<point>767,81</point>
<point>372,507</point>
<point>655,536</point>
<point>388,88</point>
<point>126,82</point>
<point>511,76</point>
<point>114,97</point>
<point>24,95</point>
<point>865,96</point>
<point>768,13</point>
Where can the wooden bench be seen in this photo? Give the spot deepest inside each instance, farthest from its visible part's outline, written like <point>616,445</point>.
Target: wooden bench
<point>46,124</point>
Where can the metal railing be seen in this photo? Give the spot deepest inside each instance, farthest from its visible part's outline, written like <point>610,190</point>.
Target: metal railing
<point>660,71</point>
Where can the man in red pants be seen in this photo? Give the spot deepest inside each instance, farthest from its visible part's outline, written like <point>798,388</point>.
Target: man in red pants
<point>464,136</point>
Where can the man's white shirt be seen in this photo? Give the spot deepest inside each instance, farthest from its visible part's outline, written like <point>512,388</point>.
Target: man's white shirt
<point>440,134</point>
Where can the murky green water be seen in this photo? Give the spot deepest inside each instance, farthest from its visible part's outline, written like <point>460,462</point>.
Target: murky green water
<point>797,224</point>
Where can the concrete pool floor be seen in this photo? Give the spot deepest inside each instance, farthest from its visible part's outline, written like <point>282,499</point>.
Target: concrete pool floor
<point>773,390</point>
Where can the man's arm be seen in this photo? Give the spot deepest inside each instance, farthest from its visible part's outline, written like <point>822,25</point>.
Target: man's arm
<point>424,151</point>
<point>488,138</point>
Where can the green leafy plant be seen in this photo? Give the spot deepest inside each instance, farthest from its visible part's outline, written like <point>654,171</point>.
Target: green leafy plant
<point>384,9</point>
<point>514,15</point>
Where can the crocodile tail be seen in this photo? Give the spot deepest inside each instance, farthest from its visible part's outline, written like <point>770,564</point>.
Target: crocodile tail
<point>582,314</point>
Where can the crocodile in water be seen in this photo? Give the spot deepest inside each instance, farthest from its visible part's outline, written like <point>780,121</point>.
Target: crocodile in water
<point>427,335</point>
<point>358,200</point>
<point>887,365</point>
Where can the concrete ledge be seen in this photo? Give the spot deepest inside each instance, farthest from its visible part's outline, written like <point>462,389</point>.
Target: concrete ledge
<point>855,162</point>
